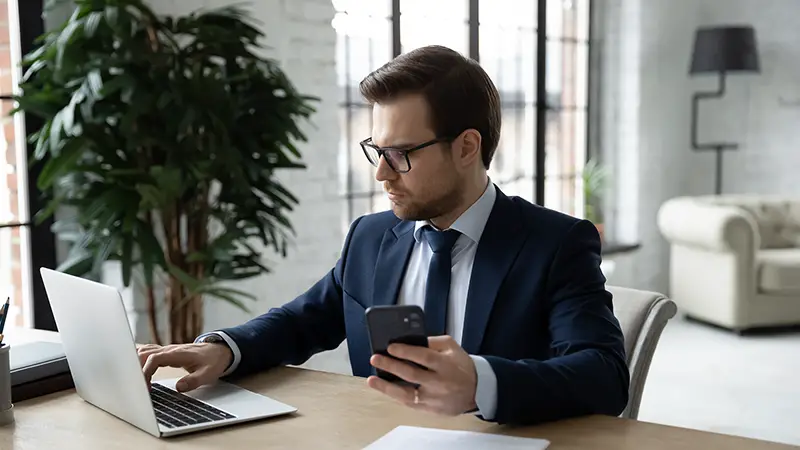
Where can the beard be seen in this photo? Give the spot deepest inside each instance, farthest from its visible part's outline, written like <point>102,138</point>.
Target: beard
<point>413,210</point>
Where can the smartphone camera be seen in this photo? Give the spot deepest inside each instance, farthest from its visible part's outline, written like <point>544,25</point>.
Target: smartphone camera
<point>412,322</point>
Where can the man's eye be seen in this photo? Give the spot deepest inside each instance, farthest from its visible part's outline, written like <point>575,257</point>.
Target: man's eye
<point>394,154</point>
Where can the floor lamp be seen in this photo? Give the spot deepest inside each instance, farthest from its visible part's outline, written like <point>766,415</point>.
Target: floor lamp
<point>721,50</point>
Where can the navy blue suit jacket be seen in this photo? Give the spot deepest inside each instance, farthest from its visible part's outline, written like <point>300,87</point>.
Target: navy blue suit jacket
<point>537,310</point>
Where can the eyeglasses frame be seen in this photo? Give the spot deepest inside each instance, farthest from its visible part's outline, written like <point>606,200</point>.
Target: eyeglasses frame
<point>405,151</point>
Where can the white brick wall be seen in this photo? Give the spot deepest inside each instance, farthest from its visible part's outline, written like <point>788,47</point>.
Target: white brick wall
<point>646,128</point>
<point>302,39</point>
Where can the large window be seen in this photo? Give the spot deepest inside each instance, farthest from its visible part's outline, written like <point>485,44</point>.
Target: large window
<point>503,36</point>
<point>24,246</point>
<point>14,237</point>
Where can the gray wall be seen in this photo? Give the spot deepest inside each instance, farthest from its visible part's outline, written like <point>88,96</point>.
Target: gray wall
<point>645,115</point>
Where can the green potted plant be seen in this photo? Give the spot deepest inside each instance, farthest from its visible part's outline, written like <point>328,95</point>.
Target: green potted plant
<point>595,176</point>
<point>163,137</point>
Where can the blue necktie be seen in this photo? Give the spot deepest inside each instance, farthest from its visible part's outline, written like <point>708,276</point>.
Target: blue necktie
<point>437,290</point>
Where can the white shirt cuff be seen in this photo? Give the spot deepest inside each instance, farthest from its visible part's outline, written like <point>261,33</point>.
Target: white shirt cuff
<point>486,391</point>
<point>237,355</point>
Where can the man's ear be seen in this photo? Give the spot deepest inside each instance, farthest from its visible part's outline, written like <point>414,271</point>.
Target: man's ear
<point>470,148</point>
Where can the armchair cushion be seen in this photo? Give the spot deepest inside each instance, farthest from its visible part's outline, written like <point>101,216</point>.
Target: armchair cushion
<point>778,271</point>
<point>701,223</point>
<point>777,219</point>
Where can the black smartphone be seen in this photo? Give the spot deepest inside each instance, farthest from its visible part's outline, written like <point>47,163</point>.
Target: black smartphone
<point>404,324</point>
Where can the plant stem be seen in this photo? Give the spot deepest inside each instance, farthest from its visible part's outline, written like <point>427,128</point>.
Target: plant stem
<point>151,297</point>
<point>191,246</point>
<point>151,313</point>
<point>172,234</point>
<point>200,243</point>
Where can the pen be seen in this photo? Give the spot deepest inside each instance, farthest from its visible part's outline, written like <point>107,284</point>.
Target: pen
<point>4,315</point>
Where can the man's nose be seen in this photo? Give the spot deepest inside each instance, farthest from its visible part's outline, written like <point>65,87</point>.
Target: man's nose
<point>384,172</point>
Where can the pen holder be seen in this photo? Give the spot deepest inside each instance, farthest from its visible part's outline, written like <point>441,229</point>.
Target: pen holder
<point>6,407</point>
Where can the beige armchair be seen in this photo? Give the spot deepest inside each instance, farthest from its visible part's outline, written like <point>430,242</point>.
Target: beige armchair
<point>642,316</point>
<point>734,260</point>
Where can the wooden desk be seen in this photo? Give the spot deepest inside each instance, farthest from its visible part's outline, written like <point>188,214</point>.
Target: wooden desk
<point>335,412</point>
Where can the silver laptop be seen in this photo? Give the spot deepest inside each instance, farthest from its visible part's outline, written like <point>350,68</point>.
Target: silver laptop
<point>105,367</point>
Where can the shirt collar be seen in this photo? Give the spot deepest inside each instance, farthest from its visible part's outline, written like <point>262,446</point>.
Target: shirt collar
<point>472,222</point>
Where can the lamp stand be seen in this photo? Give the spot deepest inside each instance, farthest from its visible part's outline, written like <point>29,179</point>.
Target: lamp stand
<point>719,147</point>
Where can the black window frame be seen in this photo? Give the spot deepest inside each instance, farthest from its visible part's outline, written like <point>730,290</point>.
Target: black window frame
<point>543,106</point>
<point>42,240</point>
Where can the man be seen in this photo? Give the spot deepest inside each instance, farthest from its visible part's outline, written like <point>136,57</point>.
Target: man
<point>522,327</point>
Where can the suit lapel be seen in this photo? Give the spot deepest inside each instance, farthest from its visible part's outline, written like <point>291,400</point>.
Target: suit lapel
<point>500,243</point>
<point>393,258</point>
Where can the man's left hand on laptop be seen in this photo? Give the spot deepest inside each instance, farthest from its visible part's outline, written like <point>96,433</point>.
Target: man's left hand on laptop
<point>447,387</point>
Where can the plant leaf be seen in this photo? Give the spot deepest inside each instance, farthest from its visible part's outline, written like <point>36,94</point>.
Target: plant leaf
<point>192,284</point>
<point>78,264</point>
<point>223,295</point>
<point>126,257</point>
<point>92,24</point>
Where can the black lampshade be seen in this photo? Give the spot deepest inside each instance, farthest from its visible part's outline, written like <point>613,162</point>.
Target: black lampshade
<point>725,49</point>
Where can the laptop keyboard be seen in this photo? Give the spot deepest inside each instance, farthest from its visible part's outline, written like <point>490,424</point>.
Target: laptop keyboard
<point>174,409</point>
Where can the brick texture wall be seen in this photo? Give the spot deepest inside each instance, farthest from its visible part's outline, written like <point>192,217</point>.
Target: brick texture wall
<point>645,123</point>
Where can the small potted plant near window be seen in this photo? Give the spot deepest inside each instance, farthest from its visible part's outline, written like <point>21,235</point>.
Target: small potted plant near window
<point>595,179</point>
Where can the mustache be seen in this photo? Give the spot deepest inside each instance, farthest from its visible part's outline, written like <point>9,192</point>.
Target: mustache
<point>389,189</point>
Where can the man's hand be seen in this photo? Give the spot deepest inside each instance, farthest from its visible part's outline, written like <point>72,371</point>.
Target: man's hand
<point>205,362</point>
<point>447,387</point>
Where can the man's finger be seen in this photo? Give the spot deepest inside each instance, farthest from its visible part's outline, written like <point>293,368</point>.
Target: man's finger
<point>145,351</point>
<point>441,343</point>
<point>403,394</point>
<point>147,347</point>
<point>402,369</point>
<point>174,358</point>
<point>195,379</point>
<point>423,356</point>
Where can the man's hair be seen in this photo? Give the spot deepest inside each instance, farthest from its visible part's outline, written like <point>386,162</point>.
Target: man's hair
<point>458,91</point>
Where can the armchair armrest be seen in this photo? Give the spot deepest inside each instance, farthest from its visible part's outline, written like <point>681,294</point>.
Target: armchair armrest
<point>723,228</point>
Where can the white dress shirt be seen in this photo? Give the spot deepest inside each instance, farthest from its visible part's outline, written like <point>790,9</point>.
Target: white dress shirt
<point>412,292</point>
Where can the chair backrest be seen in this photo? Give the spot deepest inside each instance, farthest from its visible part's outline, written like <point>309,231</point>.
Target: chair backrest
<point>642,316</point>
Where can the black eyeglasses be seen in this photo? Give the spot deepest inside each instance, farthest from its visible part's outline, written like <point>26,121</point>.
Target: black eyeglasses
<point>397,158</point>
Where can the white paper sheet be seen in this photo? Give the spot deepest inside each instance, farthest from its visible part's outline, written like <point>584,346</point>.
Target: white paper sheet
<point>405,438</point>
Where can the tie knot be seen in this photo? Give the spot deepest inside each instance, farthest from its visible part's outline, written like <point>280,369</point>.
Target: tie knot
<point>441,241</point>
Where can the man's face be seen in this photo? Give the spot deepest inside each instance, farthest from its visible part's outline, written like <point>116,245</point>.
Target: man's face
<point>430,188</point>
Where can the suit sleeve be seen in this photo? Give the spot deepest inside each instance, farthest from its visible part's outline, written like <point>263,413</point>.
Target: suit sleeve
<point>587,372</point>
<point>291,334</point>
